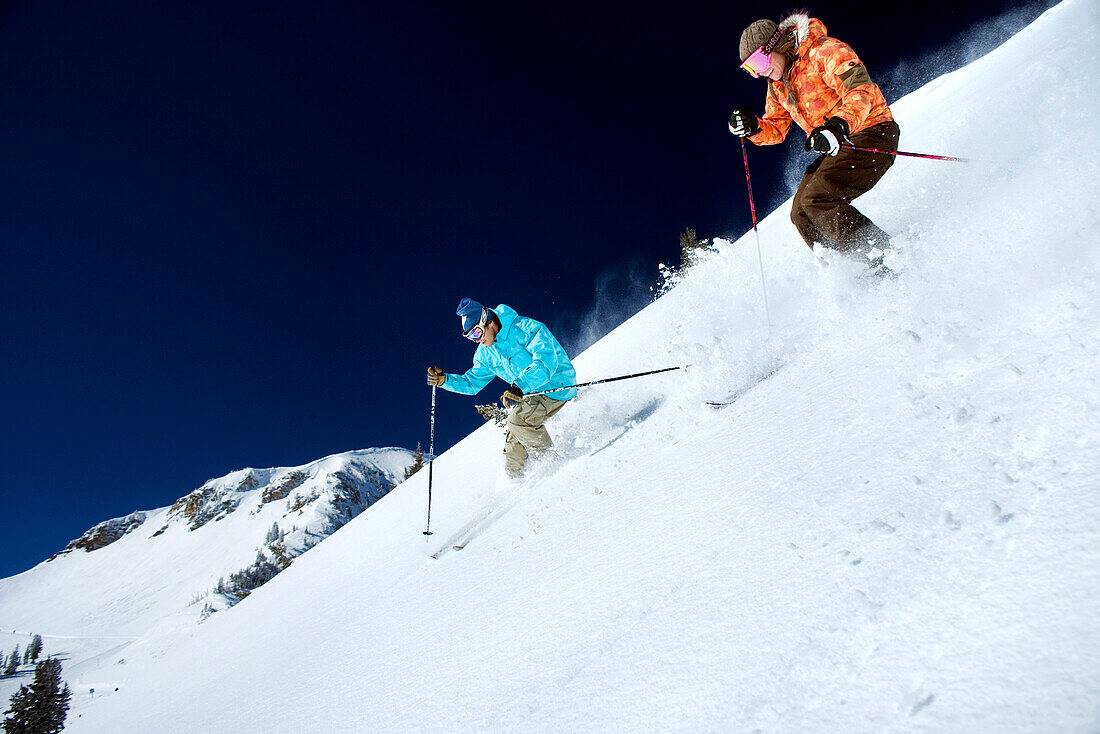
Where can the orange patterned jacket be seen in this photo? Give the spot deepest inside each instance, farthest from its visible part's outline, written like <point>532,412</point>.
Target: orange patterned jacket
<point>826,80</point>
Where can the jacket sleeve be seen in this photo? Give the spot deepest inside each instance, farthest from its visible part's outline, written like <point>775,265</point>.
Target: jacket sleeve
<point>774,124</point>
<point>845,73</point>
<point>473,380</point>
<point>544,353</point>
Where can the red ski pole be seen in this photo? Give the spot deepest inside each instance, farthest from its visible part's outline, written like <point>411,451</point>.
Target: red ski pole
<point>752,208</point>
<point>912,155</point>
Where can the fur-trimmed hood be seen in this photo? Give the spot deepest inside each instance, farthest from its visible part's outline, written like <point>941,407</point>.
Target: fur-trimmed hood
<point>805,29</point>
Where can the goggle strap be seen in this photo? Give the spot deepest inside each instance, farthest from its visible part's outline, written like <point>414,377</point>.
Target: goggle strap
<point>764,51</point>
<point>773,40</point>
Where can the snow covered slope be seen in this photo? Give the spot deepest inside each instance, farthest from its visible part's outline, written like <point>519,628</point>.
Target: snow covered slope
<point>129,576</point>
<point>898,530</point>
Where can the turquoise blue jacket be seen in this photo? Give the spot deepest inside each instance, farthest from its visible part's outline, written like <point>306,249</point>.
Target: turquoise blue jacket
<point>525,354</point>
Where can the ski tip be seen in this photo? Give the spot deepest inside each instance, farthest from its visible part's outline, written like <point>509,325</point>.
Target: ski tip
<point>445,550</point>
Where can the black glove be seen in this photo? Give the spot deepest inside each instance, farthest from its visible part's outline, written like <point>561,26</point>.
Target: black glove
<point>436,376</point>
<point>828,137</point>
<point>743,121</point>
<point>513,393</point>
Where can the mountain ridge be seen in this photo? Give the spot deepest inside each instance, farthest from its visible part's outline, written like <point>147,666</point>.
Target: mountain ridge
<point>203,537</point>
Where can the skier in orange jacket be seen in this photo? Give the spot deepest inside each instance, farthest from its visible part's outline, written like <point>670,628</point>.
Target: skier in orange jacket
<point>820,84</point>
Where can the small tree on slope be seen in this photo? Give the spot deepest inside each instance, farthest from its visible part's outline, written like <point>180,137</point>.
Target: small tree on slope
<point>33,650</point>
<point>41,707</point>
<point>418,462</point>
<point>13,663</point>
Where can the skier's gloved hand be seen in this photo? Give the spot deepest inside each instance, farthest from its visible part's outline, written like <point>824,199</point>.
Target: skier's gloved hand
<point>436,376</point>
<point>828,137</point>
<point>513,393</point>
<point>743,121</point>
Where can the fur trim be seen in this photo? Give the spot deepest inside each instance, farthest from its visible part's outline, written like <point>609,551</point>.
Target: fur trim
<point>801,24</point>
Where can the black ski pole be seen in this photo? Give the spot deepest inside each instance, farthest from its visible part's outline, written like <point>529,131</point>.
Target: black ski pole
<point>431,458</point>
<point>606,379</point>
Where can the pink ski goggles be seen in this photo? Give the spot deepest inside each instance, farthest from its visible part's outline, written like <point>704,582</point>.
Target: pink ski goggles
<point>757,63</point>
<point>760,59</point>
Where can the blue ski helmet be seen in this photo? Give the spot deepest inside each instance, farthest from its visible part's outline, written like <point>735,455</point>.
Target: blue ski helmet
<point>469,313</point>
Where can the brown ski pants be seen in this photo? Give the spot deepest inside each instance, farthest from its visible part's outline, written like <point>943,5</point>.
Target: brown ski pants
<point>822,209</point>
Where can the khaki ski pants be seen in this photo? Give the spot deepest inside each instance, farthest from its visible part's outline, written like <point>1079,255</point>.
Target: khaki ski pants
<point>525,433</point>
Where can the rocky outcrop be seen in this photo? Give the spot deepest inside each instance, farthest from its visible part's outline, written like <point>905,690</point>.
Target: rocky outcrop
<point>317,500</point>
<point>103,534</point>
<point>213,501</point>
<point>352,492</point>
<point>283,486</point>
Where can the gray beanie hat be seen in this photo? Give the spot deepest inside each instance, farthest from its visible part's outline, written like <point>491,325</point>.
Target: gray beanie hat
<point>756,35</point>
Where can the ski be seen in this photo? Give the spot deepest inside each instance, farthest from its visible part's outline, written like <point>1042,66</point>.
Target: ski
<point>488,515</point>
<point>736,395</point>
<point>458,540</point>
<point>480,522</point>
<point>729,400</point>
<point>720,403</point>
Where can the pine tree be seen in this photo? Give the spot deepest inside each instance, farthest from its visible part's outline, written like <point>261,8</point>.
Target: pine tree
<point>282,556</point>
<point>418,462</point>
<point>689,247</point>
<point>273,535</point>
<point>494,413</point>
<point>243,582</point>
<point>13,663</point>
<point>41,707</point>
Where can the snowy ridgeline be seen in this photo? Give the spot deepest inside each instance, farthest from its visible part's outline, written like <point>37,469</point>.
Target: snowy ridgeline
<point>133,575</point>
<point>213,546</point>
<point>893,528</point>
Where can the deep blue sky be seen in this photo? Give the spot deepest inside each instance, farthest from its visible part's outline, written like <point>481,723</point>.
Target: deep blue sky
<point>234,233</point>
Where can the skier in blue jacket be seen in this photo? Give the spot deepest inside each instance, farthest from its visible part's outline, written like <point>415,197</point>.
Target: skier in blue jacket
<point>523,353</point>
